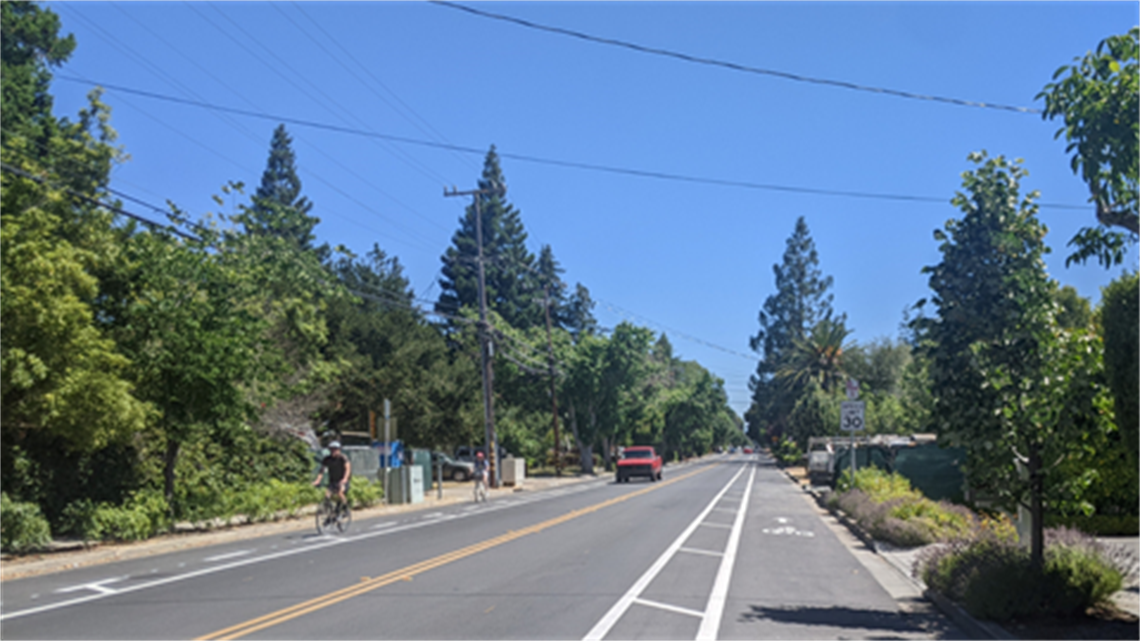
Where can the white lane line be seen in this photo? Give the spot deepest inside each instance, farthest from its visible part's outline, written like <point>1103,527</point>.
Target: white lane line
<point>382,525</point>
<point>603,626</point>
<point>696,551</point>
<point>670,608</point>
<point>231,555</point>
<point>97,586</point>
<point>714,611</point>
<point>317,543</point>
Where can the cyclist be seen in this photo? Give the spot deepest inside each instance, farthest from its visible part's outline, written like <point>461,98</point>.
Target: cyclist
<point>340,471</point>
<point>480,476</point>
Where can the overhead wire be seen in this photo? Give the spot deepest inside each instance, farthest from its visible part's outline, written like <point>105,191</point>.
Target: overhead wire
<point>642,173</point>
<point>331,106</point>
<point>732,65</point>
<point>402,108</point>
<point>253,137</point>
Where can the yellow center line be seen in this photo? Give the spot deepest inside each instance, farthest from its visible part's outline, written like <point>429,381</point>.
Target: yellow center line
<point>406,574</point>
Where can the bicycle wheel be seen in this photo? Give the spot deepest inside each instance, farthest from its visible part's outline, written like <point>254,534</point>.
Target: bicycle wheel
<point>343,517</point>
<point>324,511</point>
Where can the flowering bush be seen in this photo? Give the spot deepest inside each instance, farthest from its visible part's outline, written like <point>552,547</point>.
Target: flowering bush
<point>994,578</point>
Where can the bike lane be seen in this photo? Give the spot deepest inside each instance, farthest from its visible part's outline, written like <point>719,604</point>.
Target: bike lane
<point>798,577</point>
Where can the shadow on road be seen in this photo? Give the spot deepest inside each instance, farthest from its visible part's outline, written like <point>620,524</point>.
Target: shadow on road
<point>901,623</point>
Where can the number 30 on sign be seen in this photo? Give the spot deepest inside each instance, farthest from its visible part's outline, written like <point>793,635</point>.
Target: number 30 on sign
<point>851,416</point>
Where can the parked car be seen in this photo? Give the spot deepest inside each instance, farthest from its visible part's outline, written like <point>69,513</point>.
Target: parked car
<point>452,469</point>
<point>466,453</point>
<point>639,460</point>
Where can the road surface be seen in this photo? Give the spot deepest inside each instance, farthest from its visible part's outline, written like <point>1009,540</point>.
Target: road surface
<point>723,548</point>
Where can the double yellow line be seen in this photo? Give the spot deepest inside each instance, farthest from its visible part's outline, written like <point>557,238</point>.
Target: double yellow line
<point>406,574</point>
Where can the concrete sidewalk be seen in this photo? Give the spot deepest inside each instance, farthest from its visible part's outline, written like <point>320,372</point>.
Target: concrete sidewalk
<point>67,555</point>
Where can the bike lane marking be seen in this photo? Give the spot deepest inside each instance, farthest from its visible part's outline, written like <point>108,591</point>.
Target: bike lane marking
<point>610,619</point>
<point>714,611</point>
<point>407,573</point>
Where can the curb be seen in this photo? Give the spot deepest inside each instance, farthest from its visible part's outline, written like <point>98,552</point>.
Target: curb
<point>970,625</point>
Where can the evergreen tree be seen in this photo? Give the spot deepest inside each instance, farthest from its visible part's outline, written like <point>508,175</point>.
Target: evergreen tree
<point>580,319</point>
<point>549,274</point>
<point>801,301</point>
<point>278,207</point>
<point>512,282</point>
<point>30,45</point>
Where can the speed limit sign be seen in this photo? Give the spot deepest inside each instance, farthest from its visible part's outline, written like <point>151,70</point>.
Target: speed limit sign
<point>851,416</point>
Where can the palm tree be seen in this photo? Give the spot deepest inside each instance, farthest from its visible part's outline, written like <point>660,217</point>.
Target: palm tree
<point>817,357</point>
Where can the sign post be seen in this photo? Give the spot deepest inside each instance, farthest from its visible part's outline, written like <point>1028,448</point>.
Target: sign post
<point>851,418</point>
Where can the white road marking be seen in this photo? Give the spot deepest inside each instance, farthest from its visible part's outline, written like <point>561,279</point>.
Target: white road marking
<point>720,525</point>
<point>788,531</point>
<point>382,525</point>
<point>670,608</point>
<point>781,520</point>
<point>705,552</point>
<point>603,626</point>
<point>714,611</point>
<point>97,586</point>
<point>322,541</point>
<point>231,555</point>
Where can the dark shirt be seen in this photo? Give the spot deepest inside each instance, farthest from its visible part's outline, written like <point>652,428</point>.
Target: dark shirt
<point>335,464</point>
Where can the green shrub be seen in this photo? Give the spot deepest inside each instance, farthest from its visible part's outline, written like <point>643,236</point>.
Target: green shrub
<point>273,499</point>
<point>22,526</point>
<point>787,452</point>
<point>363,493</point>
<point>144,514</point>
<point>995,579</point>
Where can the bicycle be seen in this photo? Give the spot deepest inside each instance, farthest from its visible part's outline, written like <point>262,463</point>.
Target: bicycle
<point>481,487</point>
<point>332,514</point>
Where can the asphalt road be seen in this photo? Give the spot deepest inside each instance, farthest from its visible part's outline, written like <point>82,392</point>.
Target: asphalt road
<point>723,548</point>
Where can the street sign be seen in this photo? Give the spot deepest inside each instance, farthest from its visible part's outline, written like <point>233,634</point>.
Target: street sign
<point>852,389</point>
<point>851,416</point>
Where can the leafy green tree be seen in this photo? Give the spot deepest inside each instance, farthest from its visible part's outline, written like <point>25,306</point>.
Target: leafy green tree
<point>1008,384</point>
<point>194,344</point>
<point>1098,98</point>
<point>512,285</point>
<point>1073,310</point>
<point>393,353</point>
<point>1120,320</point>
<point>801,300</point>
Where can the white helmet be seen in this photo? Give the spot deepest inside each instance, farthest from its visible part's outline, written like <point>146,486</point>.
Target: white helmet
<point>335,445</point>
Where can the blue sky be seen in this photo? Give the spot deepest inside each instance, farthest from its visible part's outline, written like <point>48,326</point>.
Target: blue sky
<point>692,259</point>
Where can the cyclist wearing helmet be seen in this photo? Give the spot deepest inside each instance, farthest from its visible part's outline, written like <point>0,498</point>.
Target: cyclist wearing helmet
<point>340,471</point>
<point>480,477</point>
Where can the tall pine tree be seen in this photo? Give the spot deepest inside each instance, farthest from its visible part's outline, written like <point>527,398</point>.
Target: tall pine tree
<point>800,302</point>
<point>512,279</point>
<point>278,207</point>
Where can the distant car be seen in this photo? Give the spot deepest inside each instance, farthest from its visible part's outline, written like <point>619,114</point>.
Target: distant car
<point>452,469</point>
<point>748,450</point>
<point>466,454</point>
<point>639,460</point>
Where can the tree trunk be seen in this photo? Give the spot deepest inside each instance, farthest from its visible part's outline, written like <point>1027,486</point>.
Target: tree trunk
<point>1037,525</point>
<point>606,459</point>
<point>169,459</point>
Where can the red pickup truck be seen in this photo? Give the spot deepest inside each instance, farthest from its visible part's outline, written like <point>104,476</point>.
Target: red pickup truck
<point>639,460</point>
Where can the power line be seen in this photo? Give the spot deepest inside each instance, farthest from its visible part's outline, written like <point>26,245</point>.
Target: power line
<point>94,201</point>
<point>641,173</point>
<point>732,65</point>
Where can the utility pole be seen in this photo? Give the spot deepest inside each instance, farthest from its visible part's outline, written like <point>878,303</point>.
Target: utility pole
<point>490,442</point>
<point>553,395</point>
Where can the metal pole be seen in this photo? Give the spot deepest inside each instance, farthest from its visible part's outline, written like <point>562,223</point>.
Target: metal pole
<point>490,442</point>
<point>387,450</point>
<point>553,394</point>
